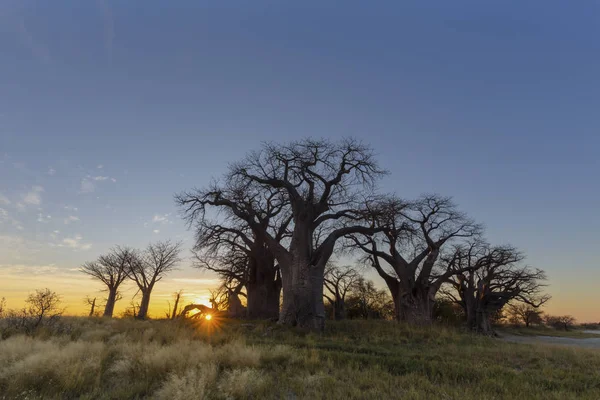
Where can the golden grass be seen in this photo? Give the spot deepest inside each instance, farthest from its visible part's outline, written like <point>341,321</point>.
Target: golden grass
<point>126,359</point>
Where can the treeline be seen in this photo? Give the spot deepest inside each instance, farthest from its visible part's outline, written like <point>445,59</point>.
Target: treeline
<point>273,222</point>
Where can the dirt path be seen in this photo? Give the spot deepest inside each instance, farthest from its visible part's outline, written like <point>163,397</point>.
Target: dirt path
<point>590,343</point>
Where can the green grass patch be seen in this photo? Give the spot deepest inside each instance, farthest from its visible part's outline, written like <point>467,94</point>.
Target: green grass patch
<point>126,359</point>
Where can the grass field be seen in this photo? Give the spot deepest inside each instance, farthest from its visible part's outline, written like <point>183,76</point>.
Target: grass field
<point>124,359</point>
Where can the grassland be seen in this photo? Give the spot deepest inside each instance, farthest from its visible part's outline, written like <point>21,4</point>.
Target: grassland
<point>125,359</point>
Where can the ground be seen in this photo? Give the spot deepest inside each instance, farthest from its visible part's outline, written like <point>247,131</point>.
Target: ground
<point>124,359</point>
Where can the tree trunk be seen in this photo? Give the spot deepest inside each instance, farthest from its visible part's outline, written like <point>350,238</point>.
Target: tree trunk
<point>93,307</point>
<point>235,309</point>
<point>174,313</point>
<point>145,303</point>
<point>415,307</point>
<point>264,289</point>
<point>287,312</point>
<point>339,309</point>
<point>483,323</point>
<point>110,302</point>
<point>308,297</point>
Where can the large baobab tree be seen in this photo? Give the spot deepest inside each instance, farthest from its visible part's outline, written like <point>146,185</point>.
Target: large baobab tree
<point>150,267</point>
<point>111,269</point>
<point>406,250</point>
<point>323,185</point>
<point>338,281</point>
<point>488,278</point>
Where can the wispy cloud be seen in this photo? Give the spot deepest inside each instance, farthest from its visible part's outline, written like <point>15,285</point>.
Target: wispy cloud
<point>44,219</point>
<point>100,166</point>
<point>156,231</point>
<point>87,186</point>
<point>70,219</point>
<point>100,178</point>
<point>51,171</point>
<point>196,281</point>
<point>29,269</point>
<point>5,218</point>
<point>75,243</point>
<point>34,196</point>
<point>4,200</point>
<point>161,219</point>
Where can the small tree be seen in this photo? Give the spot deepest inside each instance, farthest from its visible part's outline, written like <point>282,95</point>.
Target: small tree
<point>92,303</point>
<point>146,270</point>
<point>3,308</point>
<point>43,305</point>
<point>338,281</point>
<point>525,313</point>
<point>367,302</point>
<point>564,322</point>
<point>111,269</point>
<point>172,312</point>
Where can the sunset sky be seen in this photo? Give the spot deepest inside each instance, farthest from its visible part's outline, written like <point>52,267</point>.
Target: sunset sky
<point>109,108</point>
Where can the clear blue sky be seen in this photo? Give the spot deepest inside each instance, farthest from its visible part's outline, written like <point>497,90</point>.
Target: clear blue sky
<point>494,104</point>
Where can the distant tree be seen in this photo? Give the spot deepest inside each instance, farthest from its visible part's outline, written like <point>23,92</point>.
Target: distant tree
<point>219,298</point>
<point>173,312</point>
<point>3,308</point>
<point>564,322</point>
<point>487,279</point>
<point>367,302</point>
<point>43,305</point>
<point>150,267</point>
<point>523,313</point>
<point>448,312</point>
<point>92,303</point>
<point>111,269</point>
<point>338,281</point>
<point>406,251</point>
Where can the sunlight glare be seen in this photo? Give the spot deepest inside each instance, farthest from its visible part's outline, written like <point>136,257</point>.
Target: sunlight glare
<point>208,317</point>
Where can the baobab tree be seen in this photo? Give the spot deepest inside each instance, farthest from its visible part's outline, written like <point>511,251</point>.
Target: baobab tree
<point>406,250</point>
<point>488,278</point>
<point>150,267</point>
<point>238,252</point>
<point>323,184</point>
<point>525,313</point>
<point>111,269</point>
<point>338,281</point>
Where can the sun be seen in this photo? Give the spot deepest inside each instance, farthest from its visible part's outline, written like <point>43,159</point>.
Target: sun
<point>208,317</point>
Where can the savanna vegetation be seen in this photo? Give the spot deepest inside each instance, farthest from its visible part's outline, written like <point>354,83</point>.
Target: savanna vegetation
<point>99,358</point>
<point>291,319</point>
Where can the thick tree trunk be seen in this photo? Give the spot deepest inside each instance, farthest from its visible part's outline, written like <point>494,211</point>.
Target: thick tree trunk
<point>235,309</point>
<point>287,312</point>
<point>483,323</point>
<point>263,289</point>
<point>110,302</point>
<point>415,307</point>
<point>308,297</point>
<point>144,304</point>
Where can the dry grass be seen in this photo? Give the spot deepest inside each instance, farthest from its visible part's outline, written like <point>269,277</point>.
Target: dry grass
<point>126,359</point>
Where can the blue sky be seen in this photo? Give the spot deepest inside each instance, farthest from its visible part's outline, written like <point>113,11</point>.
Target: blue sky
<point>108,108</point>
